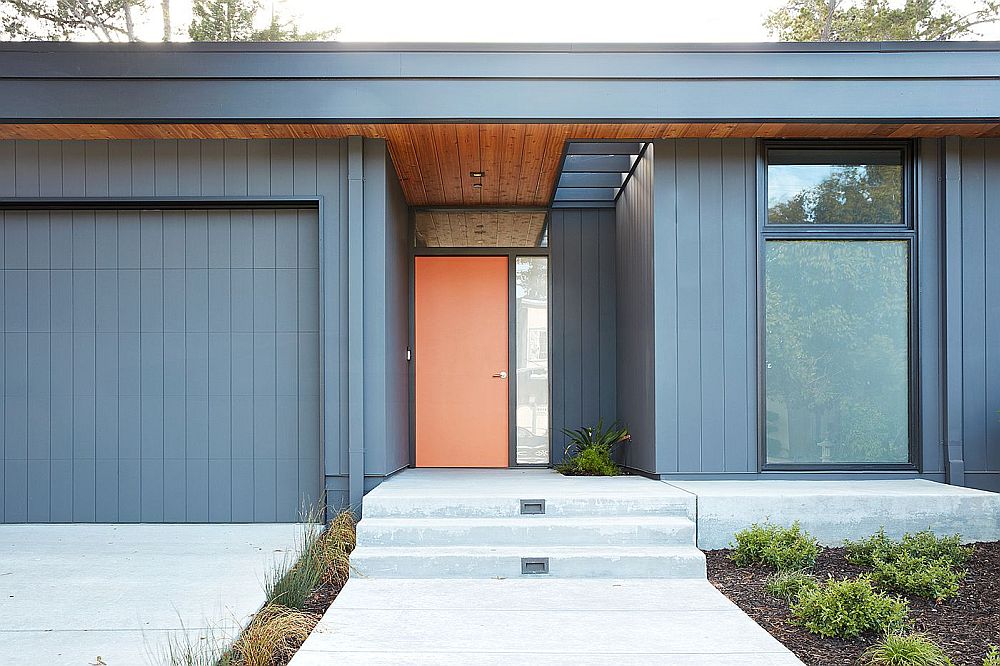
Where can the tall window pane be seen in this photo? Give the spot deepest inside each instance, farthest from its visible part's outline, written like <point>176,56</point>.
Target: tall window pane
<point>836,351</point>
<point>835,186</point>
<point>532,345</point>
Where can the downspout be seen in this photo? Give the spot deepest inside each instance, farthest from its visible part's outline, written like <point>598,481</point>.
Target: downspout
<point>356,323</point>
<point>951,215</point>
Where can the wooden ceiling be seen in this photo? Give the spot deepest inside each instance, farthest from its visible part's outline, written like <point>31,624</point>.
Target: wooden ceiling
<point>479,228</point>
<point>520,161</point>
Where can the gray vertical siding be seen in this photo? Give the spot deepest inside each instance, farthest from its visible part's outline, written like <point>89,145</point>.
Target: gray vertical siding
<point>704,267</point>
<point>160,365</point>
<point>980,311</point>
<point>582,265</point>
<point>174,374</point>
<point>636,358</point>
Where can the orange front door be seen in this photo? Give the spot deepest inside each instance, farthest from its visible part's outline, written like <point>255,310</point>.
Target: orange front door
<point>460,322</point>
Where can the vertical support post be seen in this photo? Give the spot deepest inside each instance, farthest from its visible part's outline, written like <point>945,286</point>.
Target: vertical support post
<point>951,217</point>
<point>356,327</point>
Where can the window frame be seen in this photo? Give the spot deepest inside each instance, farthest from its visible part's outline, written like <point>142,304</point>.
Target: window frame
<point>906,232</point>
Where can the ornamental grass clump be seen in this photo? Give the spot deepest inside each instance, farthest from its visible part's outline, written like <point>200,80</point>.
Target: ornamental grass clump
<point>849,608</point>
<point>787,584</point>
<point>905,650</point>
<point>992,657</point>
<point>920,564</point>
<point>273,635</point>
<point>590,451</point>
<point>783,548</point>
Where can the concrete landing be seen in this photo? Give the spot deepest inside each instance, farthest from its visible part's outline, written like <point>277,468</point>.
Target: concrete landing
<point>71,593</point>
<point>539,622</point>
<point>836,510</point>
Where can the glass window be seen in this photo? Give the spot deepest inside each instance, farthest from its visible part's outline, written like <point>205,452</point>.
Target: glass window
<point>836,351</point>
<point>532,347</point>
<point>443,227</point>
<point>835,186</point>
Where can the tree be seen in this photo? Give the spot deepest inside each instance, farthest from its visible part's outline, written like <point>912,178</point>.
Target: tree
<point>876,20</point>
<point>63,20</point>
<point>237,21</point>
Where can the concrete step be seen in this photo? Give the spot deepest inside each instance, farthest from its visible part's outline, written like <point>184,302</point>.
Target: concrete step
<point>505,562</point>
<point>401,505</point>
<point>529,530</point>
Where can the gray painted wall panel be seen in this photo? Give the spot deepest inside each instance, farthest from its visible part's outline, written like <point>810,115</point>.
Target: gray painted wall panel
<point>141,373</point>
<point>583,337</point>
<point>980,238</point>
<point>636,359</point>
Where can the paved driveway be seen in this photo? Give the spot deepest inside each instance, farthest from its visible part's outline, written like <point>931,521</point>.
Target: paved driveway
<point>72,593</point>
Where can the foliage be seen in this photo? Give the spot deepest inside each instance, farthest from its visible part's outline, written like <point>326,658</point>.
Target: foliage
<point>787,584</point>
<point>932,579</point>
<point>323,558</point>
<point>924,544</point>
<point>992,657</point>
<point>237,21</point>
<point>906,650</point>
<point>876,20</point>
<point>849,608</point>
<point>65,20</point>
<point>589,462</point>
<point>590,450</point>
<point>785,549</point>
<point>921,564</point>
<point>272,636</point>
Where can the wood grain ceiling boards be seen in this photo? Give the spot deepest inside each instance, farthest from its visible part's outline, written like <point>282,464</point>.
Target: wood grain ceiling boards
<point>473,228</point>
<point>520,161</point>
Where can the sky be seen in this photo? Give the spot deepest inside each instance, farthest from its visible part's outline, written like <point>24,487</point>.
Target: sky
<point>529,20</point>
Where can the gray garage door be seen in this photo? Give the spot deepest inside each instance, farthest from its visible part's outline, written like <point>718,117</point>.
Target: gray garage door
<point>159,365</point>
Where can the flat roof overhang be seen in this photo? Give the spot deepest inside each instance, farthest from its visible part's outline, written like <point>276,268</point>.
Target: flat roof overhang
<point>506,110</point>
<point>363,83</point>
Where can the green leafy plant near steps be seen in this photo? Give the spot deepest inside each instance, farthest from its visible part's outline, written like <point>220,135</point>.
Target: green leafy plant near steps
<point>849,608</point>
<point>590,451</point>
<point>905,650</point>
<point>921,564</point>
<point>784,548</point>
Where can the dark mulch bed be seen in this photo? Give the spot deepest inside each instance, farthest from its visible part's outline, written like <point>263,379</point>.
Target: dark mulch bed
<point>964,627</point>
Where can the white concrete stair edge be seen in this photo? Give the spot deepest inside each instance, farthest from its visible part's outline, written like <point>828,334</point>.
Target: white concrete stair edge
<point>538,530</point>
<point>505,562</point>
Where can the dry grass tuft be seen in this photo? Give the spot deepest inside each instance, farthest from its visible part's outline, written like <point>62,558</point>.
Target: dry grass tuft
<point>335,546</point>
<point>275,633</point>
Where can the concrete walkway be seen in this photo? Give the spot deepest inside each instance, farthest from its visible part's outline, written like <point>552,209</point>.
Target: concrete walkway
<point>439,577</point>
<point>540,622</point>
<point>71,593</point>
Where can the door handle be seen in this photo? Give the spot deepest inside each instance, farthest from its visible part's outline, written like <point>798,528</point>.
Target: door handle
<point>502,374</point>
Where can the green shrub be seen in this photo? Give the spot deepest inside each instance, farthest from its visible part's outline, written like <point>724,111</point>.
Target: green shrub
<point>787,584</point>
<point>906,650</point>
<point>865,551</point>
<point>785,549</point>
<point>590,462</point>
<point>920,544</point>
<point>992,657</point>
<point>932,579</point>
<point>921,564</point>
<point>849,608</point>
<point>589,452</point>
<point>926,545</point>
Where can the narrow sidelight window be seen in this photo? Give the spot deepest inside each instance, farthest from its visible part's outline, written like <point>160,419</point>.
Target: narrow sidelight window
<point>838,312</point>
<point>532,347</point>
